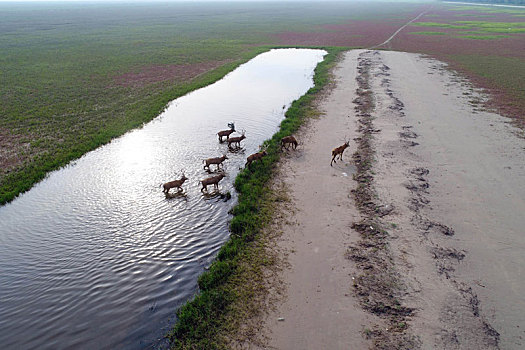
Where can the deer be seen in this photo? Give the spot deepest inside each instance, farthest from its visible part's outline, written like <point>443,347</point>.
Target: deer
<point>288,140</point>
<point>339,152</point>
<point>226,133</point>
<point>217,161</point>
<point>256,156</point>
<point>174,184</point>
<point>214,180</point>
<point>236,140</point>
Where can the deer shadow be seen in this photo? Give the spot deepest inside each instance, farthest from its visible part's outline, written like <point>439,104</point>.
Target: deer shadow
<point>236,150</point>
<point>178,194</point>
<point>219,170</point>
<point>217,195</point>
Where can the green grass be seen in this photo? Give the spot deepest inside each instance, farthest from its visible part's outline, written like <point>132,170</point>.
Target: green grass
<point>436,25</point>
<point>504,72</point>
<point>487,9</point>
<point>428,33</point>
<point>477,30</point>
<point>482,37</point>
<point>215,312</point>
<point>494,27</point>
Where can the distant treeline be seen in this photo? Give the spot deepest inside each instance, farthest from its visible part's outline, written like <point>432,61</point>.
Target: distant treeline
<point>497,2</point>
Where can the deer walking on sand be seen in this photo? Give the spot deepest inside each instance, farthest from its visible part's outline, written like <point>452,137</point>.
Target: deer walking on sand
<point>339,152</point>
<point>288,141</point>
<point>217,161</point>
<point>236,140</point>
<point>214,180</point>
<point>254,157</point>
<point>174,184</point>
<point>226,133</point>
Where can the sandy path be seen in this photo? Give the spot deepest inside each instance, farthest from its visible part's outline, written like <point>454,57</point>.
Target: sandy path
<point>455,177</point>
<point>319,311</point>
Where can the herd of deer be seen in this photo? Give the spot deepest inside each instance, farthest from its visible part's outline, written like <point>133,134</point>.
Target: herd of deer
<point>286,142</point>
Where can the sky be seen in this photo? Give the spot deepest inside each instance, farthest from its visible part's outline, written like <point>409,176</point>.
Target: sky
<point>124,1</point>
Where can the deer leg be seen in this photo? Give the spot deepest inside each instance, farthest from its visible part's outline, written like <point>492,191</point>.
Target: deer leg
<point>333,159</point>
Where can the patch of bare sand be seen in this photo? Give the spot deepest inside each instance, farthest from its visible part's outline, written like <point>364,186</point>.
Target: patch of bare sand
<point>456,178</point>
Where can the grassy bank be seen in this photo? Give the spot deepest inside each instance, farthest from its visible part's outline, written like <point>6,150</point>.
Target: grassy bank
<point>234,282</point>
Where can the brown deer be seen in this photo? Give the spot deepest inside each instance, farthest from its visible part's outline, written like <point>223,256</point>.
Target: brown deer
<point>256,156</point>
<point>177,184</point>
<point>287,141</point>
<point>236,140</point>
<point>339,152</point>
<point>226,133</point>
<point>217,161</point>
<point>214,180</point>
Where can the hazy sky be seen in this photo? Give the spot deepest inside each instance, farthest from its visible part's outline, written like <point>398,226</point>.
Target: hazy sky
<point>124,1</point>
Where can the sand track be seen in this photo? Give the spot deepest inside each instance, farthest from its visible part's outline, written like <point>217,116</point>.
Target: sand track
<point>453,180</point>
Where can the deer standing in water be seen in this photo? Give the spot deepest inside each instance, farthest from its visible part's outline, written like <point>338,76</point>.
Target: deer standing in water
<point>174,184</point>
<point>214,180</point>
<point>236,140</point>
<point>255,156</point>
<point>217,161</point>
<point>288,140</point>
<point>339,152</point>
<point>226,133</point>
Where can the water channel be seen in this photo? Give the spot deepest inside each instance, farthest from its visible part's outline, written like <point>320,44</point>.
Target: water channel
<point>96,257</point>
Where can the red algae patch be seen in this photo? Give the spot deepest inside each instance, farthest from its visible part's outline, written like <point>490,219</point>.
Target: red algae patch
<point>159,73</point>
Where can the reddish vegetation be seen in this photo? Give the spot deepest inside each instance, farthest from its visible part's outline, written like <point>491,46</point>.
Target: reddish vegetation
<point>354,34</point>
<point>11,146</point>
<point>154,74</point>
<point>448,45</point>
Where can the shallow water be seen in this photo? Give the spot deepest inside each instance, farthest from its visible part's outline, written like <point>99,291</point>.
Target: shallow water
<point>95,256</point>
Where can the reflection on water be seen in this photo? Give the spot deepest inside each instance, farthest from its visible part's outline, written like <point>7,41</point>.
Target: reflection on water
<point>96,256</point>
